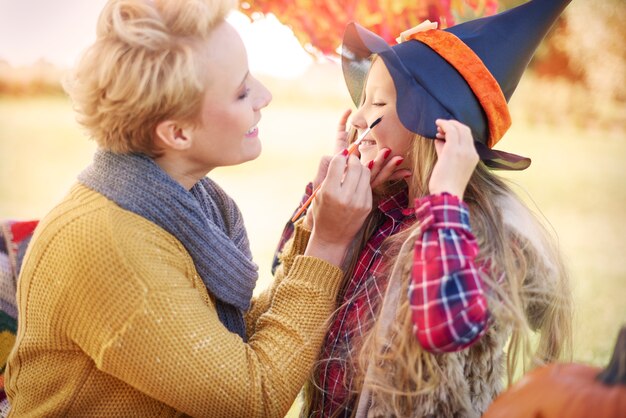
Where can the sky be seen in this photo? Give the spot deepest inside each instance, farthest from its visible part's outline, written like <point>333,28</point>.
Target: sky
<point>59,30</point>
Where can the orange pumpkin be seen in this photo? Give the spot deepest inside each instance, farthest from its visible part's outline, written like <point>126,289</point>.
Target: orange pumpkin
<point>568,390</point>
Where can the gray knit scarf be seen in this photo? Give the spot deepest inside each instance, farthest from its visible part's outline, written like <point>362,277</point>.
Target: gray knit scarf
<point>204,219</point>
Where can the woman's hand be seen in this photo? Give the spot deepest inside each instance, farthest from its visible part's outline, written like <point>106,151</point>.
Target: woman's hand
<point>341,143</point>
<point>383,168</point>
<point>340,208</point>
<point>457,158</point>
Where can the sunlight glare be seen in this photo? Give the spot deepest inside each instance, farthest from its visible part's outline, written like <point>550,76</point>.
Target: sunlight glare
<point>272,47</point>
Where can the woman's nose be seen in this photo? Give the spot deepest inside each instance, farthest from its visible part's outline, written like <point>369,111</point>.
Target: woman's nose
<point>263,97</point>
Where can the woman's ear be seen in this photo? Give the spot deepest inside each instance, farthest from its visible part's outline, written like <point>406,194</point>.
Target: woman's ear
<point>169,134</point>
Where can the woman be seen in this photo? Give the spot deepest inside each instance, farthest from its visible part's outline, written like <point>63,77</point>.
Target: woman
<point>135,294</point>
<point>451,264</point>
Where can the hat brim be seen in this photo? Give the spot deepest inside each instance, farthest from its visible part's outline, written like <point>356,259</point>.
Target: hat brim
<point>501,160</point>
<point>360,44</point>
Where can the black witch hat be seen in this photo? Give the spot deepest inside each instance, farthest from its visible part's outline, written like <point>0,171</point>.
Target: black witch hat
<point>467,72</point>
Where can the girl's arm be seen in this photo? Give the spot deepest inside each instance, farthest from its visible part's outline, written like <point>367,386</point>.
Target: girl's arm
<point>288,232</point>
<point>446,293</point>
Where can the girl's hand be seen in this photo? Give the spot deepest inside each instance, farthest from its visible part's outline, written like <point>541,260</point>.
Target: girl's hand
<point>384,168</point>
<point>340,208</point>
<point>457,158</point>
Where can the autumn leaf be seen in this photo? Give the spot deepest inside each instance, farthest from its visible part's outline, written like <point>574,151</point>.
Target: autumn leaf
<point>320,24</point>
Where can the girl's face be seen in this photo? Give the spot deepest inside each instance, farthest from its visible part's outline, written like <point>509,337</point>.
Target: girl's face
<point>380,100</point>
<point>227,132</point>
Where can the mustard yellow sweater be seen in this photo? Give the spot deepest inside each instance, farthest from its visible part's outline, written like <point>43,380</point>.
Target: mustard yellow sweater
<point>114,320</point>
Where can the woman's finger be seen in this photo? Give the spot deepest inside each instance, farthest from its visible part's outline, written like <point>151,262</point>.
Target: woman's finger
<point>340,209</point>
<point>322,169</point>
<point>341,143</point>
<point>334,173</point>
<point>352,174</point>
<point>363,193</point>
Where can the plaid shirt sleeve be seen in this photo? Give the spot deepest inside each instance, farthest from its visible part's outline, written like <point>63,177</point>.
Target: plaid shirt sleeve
<point>288,229</point>
<point>446,295</point>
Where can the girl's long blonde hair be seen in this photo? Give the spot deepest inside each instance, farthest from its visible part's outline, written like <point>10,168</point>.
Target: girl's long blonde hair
<point>527,288</point>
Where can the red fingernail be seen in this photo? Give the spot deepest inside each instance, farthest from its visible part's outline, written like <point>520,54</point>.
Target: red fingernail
<point>344,152</point>
<point>370,164</point>
<point>386,154</point>
<point>400,161</point>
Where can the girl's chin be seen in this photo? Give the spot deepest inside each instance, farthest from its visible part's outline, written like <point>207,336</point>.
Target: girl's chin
<point>366,158</point>
<point>368,153</point>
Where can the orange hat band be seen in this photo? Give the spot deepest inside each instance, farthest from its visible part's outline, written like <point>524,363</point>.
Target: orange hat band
<point>480,80</point>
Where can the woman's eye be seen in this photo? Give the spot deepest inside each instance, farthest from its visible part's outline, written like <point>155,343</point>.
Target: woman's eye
<point>378,104</point>
<point>244,94</point>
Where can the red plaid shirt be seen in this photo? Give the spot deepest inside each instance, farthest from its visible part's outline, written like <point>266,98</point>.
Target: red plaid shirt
<point>446,293</point>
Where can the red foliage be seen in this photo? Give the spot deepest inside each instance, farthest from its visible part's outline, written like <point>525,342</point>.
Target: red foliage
<point>321,23</point>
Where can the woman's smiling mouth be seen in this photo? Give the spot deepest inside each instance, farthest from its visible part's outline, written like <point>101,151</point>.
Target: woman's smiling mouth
<point>252,132</point>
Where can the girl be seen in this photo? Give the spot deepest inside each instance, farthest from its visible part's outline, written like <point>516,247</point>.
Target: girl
<point>451,265</point>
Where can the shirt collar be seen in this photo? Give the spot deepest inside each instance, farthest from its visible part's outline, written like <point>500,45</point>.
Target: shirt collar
<point>396,205</point>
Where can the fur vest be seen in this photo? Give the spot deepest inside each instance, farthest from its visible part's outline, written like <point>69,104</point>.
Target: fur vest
<point>470,380</point>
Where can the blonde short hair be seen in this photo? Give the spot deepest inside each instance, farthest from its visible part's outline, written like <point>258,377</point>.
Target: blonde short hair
<point>144,67</point>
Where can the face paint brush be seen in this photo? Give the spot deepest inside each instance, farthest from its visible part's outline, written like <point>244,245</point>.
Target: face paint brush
<point>351,150</point>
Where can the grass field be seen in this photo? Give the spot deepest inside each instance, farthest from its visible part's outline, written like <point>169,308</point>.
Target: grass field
<point>578,180</point>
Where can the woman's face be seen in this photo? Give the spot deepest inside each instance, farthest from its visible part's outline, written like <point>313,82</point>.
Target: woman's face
<point>380,100</point>
<point>227,133</point>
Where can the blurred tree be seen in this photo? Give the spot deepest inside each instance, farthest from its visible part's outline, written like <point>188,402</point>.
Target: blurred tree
<point>579,72</point>
<point>319,24</point>
<point>594,39</point>
<point>586,51</point>
<point>39,78</point>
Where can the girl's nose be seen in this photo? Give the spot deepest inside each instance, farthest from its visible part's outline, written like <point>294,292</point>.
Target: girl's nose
<point>358,120</point>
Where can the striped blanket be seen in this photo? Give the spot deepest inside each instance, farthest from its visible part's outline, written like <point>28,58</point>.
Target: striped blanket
<point>14,238</point>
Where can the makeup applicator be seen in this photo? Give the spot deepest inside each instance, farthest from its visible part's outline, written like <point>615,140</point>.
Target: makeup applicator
<point>351,150</point>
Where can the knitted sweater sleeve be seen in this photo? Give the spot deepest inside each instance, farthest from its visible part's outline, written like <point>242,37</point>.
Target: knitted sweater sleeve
<point>296,245</point>
<point>142,314</point>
